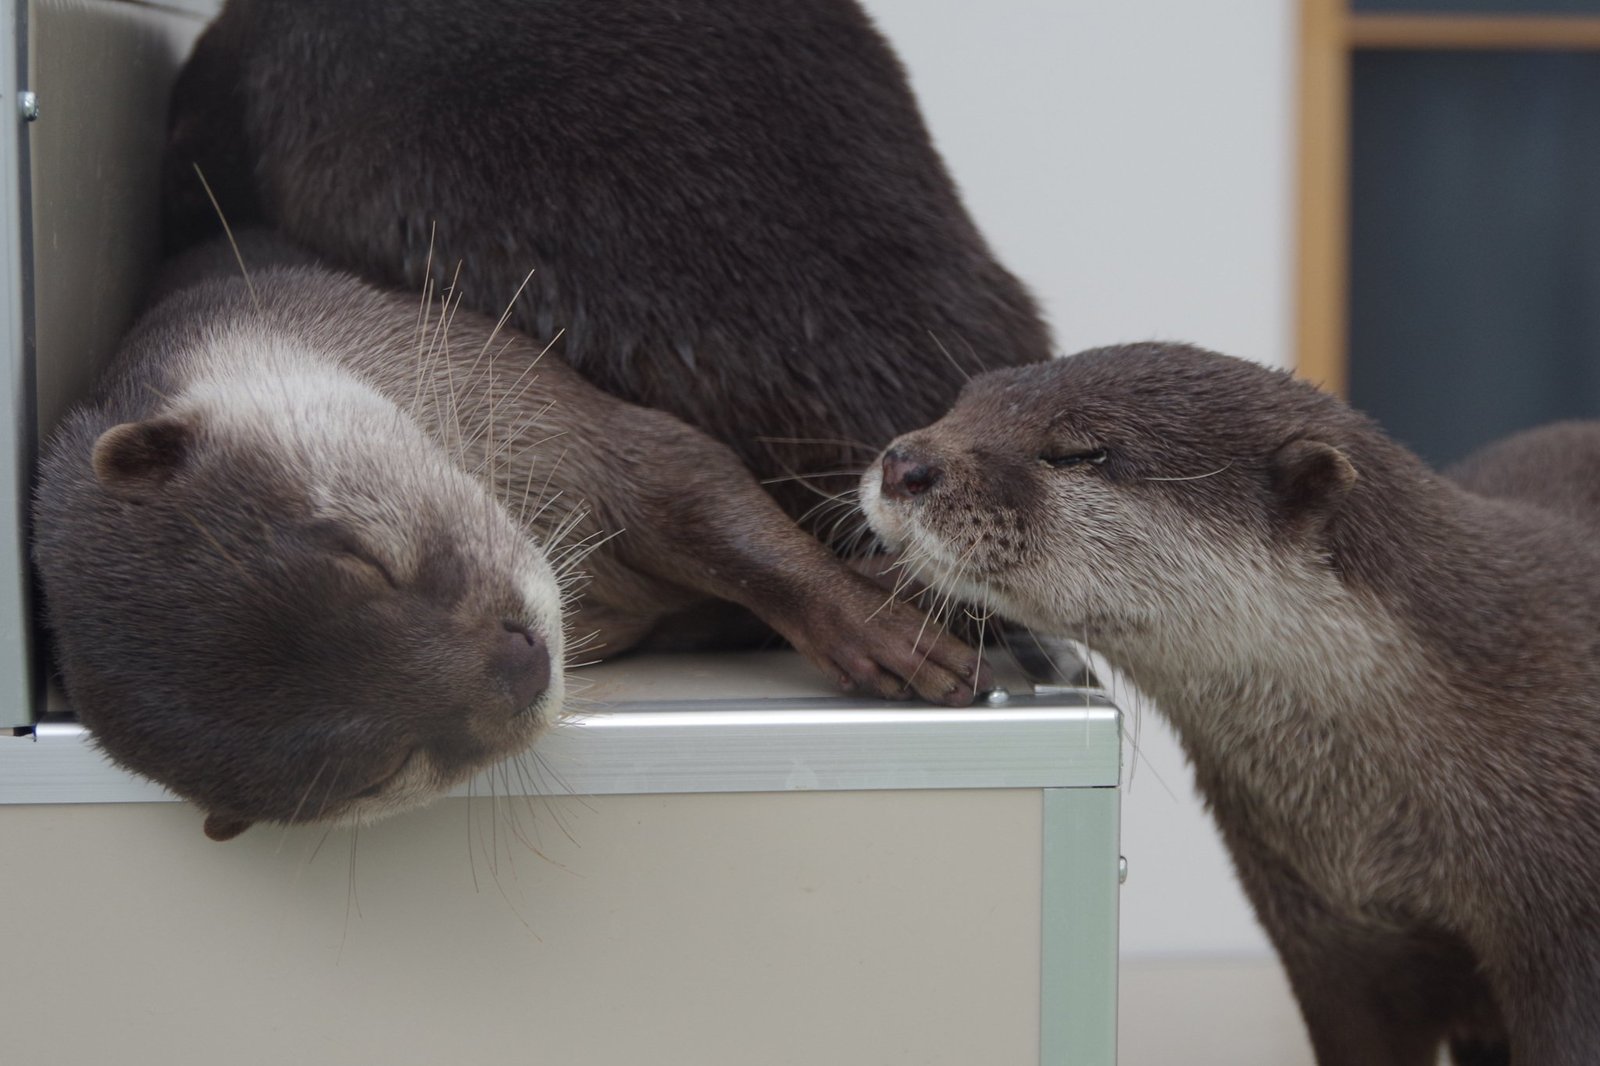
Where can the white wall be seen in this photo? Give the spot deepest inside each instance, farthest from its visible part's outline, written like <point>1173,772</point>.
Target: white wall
<point>1132,161</point>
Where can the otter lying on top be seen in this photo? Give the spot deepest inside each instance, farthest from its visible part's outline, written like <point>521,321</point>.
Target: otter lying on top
<point>1388,680</point>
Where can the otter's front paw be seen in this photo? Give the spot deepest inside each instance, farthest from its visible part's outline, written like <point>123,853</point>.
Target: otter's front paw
<point>869,641</point>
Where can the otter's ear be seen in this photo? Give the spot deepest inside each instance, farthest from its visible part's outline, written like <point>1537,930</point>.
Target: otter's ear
<point>1311,480</point>
<point>135,459</point>
<point>220,827</point>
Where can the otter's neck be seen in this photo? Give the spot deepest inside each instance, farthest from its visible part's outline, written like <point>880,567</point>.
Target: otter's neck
<point>1280,645</point>
<point>1317,696</point>
<point>1364,639</point>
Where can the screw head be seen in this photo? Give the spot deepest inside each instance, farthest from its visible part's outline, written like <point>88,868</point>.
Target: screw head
<point>997,697</point>
<point>1122,869</point>
<point>28,104</point>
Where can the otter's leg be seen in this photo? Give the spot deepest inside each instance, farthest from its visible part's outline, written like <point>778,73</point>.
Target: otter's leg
<point>690,521</point>
<point>1551,991</point>
<point>1353,1013</point>
<point>1365,996</point>
<point>1479,1053</point>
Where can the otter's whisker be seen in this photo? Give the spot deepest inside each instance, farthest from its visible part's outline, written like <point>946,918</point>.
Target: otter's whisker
<point>350,897</point>
<point>555,816</point>
<point>445,415</point>
<point>851,512</point>
<point>452,392</point>
<point>1193,477</point>
<point>837,501</point>
<point>522,383</point>
<point>485,469</point>
<point>821,441</point>
<point>572,555</point>
<point>472,861</point>
<point>946,352</point>
<point>977,360</point>
<point>423,308</point>
<point>505,316</point>
<point>523,518</point>
<point>948,599</point>
<point>894,593</point>
<point>295,814</point>
<point>211,539</point>
<point>803,479</point>
<point>524,805</point>
<point>983,632</point>
<point>233,243</point>
<point>494,827</point>
<point>532,445</point>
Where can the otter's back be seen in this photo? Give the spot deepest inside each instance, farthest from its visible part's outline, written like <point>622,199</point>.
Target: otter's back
<point>1555,466</point>
<point>734,213</point>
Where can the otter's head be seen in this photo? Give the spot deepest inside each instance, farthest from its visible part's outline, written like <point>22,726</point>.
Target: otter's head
<point>279,598</point>
<point>1124,495</point>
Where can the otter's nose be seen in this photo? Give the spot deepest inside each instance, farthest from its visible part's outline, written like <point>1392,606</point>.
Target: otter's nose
<point>525,663</point>
<point>906,475</point>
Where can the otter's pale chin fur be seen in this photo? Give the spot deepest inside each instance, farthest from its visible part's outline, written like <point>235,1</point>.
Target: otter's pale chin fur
<point>1386,679</point>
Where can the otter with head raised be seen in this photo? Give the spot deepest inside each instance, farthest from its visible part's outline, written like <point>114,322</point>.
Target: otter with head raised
<point>1386,679</point>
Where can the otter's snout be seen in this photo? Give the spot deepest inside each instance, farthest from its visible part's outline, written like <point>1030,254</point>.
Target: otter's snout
<point>906,474</point>
<point>525,664</point>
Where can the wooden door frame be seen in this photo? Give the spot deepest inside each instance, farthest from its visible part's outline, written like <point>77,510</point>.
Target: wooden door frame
<point>1329,32</point>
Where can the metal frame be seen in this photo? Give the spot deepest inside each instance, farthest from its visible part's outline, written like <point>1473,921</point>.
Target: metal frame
<point>18,678</point>
<point>1078,941</point>
<point>740,745</point>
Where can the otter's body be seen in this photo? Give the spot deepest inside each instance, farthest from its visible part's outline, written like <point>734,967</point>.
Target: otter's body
<point>732,212</point>
<point>303,536</point>
<point>1388,680</point>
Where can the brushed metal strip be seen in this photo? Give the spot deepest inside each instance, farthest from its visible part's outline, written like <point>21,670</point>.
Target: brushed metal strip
<point>18,691</point>
<point>1078,927</point>
<point>706,746</point>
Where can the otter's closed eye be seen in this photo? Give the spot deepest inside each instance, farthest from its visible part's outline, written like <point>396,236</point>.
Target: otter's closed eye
<point>359,555</point>
<point>1091,457</point>
<point>342,543</point>
<point>385,777</point>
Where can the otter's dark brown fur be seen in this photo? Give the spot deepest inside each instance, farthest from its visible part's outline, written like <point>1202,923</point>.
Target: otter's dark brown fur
<point>1388,680</point>
<point>732,211</point>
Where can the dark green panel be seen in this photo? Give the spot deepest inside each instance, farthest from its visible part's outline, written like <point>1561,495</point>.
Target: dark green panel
<point>1475,243</point>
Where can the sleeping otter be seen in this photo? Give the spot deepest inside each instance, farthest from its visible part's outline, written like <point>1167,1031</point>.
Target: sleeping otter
<point>297,556</point>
